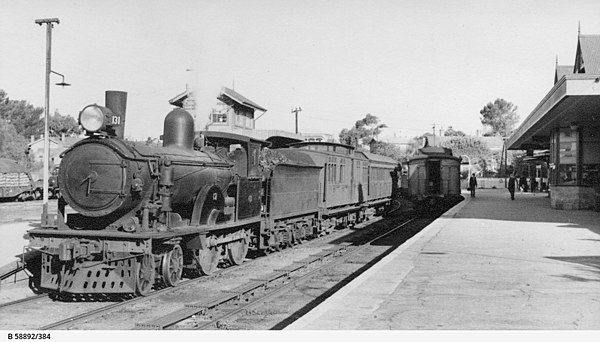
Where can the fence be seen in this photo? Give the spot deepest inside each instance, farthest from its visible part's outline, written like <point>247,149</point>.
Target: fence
<point>485,183</point>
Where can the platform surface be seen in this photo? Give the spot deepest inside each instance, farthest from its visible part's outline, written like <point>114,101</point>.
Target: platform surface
<point>488,263</point>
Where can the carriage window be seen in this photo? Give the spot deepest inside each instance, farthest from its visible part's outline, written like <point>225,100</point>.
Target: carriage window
<point>332,170</point>
<point>342,168</point>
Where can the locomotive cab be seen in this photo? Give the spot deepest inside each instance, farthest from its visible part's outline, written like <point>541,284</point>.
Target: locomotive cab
<point>244,153</point>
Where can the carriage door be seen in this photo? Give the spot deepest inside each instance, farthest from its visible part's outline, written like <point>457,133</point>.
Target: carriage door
<point>325,175</point>
<point>434,177</point>
<point>445,180</point>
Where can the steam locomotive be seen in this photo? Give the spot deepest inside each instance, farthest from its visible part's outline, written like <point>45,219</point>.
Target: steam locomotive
<point>143,215</point>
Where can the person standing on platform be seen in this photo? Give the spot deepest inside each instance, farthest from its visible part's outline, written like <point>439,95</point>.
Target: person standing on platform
<point>533,185</point>
<point>511,186</point>
<point>473,184</point>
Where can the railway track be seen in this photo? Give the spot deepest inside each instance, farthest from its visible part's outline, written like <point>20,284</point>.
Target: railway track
<point>234,305</point>
<point>24,300</point>
<point>211,308</point>
<point>70,321</point>
<point>74,320</point>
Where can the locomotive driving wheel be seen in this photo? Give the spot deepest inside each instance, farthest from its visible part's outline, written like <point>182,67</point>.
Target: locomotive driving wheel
<point>172,266</point>
<point>144,274</point>
<point>236,251</point>
<point>208,259</point>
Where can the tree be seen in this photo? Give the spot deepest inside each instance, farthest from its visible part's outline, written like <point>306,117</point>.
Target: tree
<point>450,132</point>
<point>473,147</point>
<point>364,130</point>
<point>501,116</point>
<point>28,120</point>
<point>389,150</point>
<point>59,124</point>
<point>25,118</point>
<point>12,145</point>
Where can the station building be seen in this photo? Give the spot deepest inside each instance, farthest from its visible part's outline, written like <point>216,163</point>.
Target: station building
<point>566,123</point>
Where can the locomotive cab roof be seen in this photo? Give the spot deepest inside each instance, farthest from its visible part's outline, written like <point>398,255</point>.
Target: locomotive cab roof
<point>226,138</point>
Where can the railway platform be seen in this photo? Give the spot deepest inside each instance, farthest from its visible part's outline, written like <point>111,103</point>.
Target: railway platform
<point>488,263</point>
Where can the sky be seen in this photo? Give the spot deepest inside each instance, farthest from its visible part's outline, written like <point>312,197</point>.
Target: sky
<point>413,64</point>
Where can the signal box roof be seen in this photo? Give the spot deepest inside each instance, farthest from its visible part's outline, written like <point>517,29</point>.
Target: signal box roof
<point>228,96</point>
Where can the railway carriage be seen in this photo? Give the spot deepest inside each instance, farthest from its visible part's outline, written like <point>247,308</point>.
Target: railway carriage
<point>351,183</point>
<point>433,176</point>
<point>15,181</point>
<point>381,176</point>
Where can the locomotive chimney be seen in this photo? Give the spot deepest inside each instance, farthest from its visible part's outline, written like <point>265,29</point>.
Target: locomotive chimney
<point>116,101</point>
<point>179,130</point>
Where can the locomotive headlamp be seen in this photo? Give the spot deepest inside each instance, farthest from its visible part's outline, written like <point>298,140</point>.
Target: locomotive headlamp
<point>93,117</point>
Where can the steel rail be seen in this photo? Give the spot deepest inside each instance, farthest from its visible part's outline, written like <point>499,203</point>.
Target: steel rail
<point>202,307</point>
<point>111,307</point>
<point>114,306</point>
<point>287,286</point>
<point>24,300</point>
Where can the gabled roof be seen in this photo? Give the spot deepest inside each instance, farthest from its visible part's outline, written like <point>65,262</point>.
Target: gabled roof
<point>588,53</point>
<point>41,141</point>
<point>229,94</point>
<point>562,70</point>
<point>68,141</point>
<point>178,99</point>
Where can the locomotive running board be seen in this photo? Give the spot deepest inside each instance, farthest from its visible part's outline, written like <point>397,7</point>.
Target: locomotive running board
<point>145,235</point>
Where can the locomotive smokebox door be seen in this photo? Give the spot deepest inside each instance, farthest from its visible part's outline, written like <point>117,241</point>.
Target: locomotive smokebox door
<point>97,179</point>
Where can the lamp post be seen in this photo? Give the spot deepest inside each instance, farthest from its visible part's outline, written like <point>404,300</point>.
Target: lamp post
<point>49,24</point>
<point>469,159</point>
<point>505,152</point>
<point>295,111</point>
<point>61,83</point>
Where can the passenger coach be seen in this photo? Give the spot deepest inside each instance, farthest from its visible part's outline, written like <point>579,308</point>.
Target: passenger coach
<point>350,181</point>
<point>433,175</point>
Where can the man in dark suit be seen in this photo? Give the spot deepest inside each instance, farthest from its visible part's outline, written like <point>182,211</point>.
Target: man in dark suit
<point>473,184</point>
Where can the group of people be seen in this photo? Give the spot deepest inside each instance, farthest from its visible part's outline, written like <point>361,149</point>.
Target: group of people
<point>512,185</point>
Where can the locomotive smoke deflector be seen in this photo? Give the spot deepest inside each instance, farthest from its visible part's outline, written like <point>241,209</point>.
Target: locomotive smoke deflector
<point>110,119</point>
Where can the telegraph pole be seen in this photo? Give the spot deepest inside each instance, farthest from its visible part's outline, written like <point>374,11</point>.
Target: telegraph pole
<point>49,23</point>
<point>295,111</point>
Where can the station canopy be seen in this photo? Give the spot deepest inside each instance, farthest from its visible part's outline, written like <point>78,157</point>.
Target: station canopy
<point>573,101</point>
